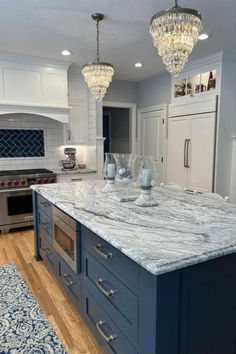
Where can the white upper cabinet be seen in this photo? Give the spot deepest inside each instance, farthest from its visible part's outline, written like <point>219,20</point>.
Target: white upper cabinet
<point>76,132</point>
<point>30,81</point>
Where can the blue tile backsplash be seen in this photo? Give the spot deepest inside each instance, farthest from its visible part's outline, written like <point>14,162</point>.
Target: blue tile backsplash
<point>21,143</point>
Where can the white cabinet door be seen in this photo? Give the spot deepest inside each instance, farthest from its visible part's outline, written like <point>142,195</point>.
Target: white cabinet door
<point>76,132</point>
<point>178,133</point>
<point>152,138</point>
<point>78,123</point>
<point>201,152</point>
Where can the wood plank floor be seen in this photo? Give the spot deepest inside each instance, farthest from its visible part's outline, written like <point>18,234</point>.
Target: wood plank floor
<point>18,247</point>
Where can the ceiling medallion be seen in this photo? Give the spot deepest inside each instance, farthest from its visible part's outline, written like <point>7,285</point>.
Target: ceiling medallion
<point>97,74</point>
<point>175,32</point>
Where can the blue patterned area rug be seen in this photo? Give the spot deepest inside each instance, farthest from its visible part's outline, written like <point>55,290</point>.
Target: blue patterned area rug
<point>23,327</point>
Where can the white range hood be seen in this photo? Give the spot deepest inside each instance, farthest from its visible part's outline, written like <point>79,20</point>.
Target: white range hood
<point>34,86</point>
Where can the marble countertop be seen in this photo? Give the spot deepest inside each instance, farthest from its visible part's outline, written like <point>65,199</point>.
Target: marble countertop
<point>181,231</point>
<point>72,172</point>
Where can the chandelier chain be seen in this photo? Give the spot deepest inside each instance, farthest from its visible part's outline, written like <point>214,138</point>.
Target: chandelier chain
<point>176,3</point>
<point>98,54</point>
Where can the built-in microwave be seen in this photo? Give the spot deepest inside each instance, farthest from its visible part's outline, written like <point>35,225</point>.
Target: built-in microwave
<point>66,239</point>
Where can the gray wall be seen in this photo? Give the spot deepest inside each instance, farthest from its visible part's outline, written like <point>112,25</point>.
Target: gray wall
<point>122,91</point>
<point>154,91</point>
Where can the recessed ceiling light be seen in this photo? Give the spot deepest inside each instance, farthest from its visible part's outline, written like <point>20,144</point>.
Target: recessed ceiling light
<point>203,36</point>
<point>66,52</point>
<point>138,65</point>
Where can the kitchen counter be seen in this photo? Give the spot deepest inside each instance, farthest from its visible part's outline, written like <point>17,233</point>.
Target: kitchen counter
<point>182,230</point>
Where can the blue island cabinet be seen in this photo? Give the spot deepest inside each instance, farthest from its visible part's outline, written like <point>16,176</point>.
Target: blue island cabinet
<point>129,310</point>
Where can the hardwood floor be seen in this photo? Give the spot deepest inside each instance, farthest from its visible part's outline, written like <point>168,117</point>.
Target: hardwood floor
<point>18,247</point>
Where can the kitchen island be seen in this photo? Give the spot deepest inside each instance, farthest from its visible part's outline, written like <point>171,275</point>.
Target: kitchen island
<point>148,280</point>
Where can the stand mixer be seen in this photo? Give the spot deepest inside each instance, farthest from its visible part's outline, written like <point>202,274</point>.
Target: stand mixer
<point>70,162</point>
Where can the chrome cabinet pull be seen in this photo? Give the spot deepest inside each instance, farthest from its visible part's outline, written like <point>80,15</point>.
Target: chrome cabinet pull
<point>108,338</point>
<point>64,278</point>
<point>98,249</point>
<point>46,251</point>
<point>107,293</point>
<point>45,204</point>
<point>45,226</point>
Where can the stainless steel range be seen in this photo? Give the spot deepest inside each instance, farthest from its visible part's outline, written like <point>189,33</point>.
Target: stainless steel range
<point>16,205</point>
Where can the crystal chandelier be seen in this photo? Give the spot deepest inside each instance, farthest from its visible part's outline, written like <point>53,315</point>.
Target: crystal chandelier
<point>98,75</point>
<point>175,32</point>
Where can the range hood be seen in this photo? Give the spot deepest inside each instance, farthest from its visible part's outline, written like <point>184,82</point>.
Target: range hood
<point>60,114</point>
<point>34,86</point>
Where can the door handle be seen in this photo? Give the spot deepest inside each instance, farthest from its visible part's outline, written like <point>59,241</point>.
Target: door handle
<point>186,153</point>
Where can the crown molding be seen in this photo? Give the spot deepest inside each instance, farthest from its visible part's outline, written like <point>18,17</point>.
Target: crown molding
<point>27,59</point>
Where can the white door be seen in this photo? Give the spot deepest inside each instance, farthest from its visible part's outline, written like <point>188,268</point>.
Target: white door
<point>201,152</point>
<point>178,140</point>
<point>152,138</point>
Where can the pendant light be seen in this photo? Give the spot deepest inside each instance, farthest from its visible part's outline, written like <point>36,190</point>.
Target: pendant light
<point>97,74</point>
<point>175,32</point>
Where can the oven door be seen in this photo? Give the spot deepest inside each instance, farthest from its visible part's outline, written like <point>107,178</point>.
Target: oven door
<point>65,242</point>
<point>16,206</point>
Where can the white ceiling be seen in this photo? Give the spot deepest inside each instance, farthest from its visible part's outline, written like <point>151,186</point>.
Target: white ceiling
<point>45,27</point>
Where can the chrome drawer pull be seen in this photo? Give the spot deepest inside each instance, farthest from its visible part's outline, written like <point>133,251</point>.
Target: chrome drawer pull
<point>45,226</point>
<point>108,293</point>
<point>46,251</point>
<point>98,249</point>
<point>64,278</point>
<point>45,204</point>
<point>108,339</point>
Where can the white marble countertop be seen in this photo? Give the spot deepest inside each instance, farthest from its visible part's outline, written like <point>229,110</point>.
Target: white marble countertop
<point>72,172</point>
<point>181,231</point>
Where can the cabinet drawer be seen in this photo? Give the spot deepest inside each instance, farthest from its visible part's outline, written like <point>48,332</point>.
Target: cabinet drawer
<point>45,223</point>
<point>122,266</point>
<point>44,205</point>
<point>105,330</point>
<point>70,283</point>
<point>115,298</point>
<point>47,253</point>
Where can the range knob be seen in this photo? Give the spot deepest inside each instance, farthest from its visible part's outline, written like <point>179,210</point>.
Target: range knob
<point>23,182</point>
<point>45,180</point>
<point>9,183</point>
<point>39,181</point>
<point>52,180</point>
<point>2,183</point>
<point>16,183</point>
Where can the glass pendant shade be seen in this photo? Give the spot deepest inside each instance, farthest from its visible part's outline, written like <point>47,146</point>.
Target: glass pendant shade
<point>174,33</point>
<point>98,75</point>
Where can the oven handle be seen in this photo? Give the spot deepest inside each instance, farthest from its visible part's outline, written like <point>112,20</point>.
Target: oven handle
<point>13,190</point>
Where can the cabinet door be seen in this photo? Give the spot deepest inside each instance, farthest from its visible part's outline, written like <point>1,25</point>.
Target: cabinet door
<point>202,146</point>
<point>178,133</point>
<point>78,123</point>
<point>152,138</point>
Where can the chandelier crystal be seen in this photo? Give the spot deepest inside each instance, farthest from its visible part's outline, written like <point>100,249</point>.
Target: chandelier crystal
<point>175,32</point>
<point>98,75</point>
